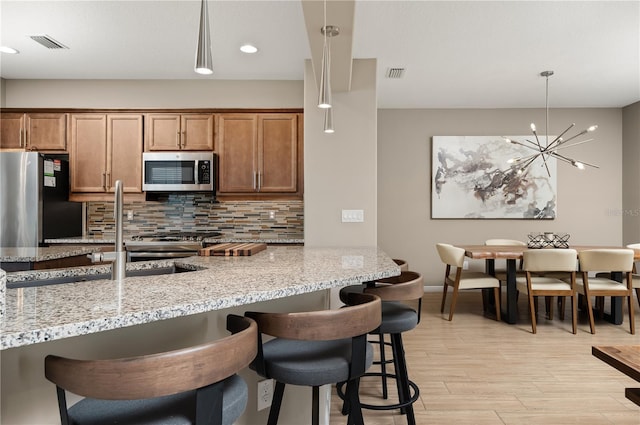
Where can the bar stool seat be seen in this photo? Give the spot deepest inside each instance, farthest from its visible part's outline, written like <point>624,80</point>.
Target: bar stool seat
<point>179,408</point>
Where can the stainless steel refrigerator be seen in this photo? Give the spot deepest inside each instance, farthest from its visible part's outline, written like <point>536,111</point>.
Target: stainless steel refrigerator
<point>34,199</point>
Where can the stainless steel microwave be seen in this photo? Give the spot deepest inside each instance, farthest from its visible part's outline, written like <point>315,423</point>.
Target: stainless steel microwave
<point>177,171</point>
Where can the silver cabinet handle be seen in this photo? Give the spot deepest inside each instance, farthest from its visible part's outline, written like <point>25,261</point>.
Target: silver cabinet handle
<point>23,139</point>
<point>255,176</point>
<point>259,181</point>
<point>104,181</point>
<point>178,139</point>
<point>182,140</point>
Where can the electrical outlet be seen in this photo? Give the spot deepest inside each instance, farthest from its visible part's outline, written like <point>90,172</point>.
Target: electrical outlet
<point>129,215</point>
<point>265,393</point>
<point>272,215</point>
<point>465,265</point>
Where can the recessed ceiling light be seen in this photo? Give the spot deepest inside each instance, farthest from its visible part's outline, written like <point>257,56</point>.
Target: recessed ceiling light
<point>248,48</point>
<point>10,50</point>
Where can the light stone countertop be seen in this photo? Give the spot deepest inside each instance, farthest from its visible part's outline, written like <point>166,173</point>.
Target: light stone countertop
<point>18,255</point>
<point>39,314</point>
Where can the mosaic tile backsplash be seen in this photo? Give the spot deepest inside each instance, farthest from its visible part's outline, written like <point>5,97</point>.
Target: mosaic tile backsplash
<point>190,211</point>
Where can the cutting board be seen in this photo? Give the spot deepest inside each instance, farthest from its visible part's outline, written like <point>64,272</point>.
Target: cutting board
<point>232,249</point>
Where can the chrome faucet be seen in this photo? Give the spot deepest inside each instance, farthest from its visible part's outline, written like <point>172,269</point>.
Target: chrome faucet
<point>118,265</point>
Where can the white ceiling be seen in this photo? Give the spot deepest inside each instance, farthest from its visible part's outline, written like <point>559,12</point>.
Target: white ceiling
<point>457,54</point>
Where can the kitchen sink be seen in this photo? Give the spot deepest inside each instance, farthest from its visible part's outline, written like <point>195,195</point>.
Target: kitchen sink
<point>102,276</point>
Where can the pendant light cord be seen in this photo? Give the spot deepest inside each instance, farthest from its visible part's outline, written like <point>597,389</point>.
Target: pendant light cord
<point>546,107</point>
<point>324,28</point>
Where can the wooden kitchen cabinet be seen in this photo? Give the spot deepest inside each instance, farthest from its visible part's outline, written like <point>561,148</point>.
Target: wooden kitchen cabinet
<point>106,148</point>
<point>260,155</point>
<point>42,132</point>
<point>170,132</point>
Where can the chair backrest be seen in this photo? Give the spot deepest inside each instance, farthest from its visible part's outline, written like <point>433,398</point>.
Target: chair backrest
<point>158,374</point>
<point>550,260</point>
<point>620,260</point>
<point>406,287</point>
<point>404,266</point>
<point>363,315</point>
<point>450,255</point>
<point>513,242</point>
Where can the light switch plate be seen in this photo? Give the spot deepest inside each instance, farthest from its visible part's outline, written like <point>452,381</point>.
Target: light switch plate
<point>352,216</point>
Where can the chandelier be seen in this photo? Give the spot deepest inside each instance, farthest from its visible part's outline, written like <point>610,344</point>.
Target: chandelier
<point>546,149</point>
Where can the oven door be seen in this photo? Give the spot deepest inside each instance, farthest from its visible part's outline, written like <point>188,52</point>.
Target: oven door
<point>175,171</point>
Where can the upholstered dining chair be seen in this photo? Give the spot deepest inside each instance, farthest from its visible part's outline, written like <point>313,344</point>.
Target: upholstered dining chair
<point>192,385</point>
<point>610,260</point>
<point>538,261</point>
<point>455,277</point>
<point>316,348</point>
<point>634,276</point>
<point>501,274</point>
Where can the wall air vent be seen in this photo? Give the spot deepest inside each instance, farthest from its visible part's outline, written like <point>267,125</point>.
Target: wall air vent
<point>48,42</point>
<point>394,72</point>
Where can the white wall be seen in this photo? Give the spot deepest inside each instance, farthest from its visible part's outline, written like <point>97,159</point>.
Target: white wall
<point>153,94</point>
<point>630,161</point>
<point>2,92</point>
<point>340,168</point>
<point>588,201</point>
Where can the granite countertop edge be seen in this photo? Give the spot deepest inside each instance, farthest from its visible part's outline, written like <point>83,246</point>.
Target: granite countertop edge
<point>80,308</point>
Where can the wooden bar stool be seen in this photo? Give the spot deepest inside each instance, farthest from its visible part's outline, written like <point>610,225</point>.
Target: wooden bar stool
<point>404,266</point>
<point>397,317</point>
<point>193,385</point>
<point>317,348</point>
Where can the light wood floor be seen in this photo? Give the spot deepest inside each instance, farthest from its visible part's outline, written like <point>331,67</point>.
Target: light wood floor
<point>475,370</point>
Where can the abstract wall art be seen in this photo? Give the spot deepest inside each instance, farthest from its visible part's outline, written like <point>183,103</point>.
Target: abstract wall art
<point>472,179</point>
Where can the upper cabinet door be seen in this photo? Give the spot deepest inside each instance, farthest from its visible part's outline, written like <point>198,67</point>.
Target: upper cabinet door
<point>278,153</point>
<point>124,152</point>
<point>174,132</point>
<point>196,131</point>
<point>162,132</point>
<point>88,158</point>
<point>12,131</point>
<point>237,153</point>
<point>46,132</point>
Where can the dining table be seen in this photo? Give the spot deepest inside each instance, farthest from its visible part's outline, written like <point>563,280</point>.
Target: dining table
<point>626,359</point>
<point>511,254</point>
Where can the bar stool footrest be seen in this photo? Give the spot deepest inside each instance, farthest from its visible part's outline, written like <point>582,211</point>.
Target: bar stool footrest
<point>412,399</point>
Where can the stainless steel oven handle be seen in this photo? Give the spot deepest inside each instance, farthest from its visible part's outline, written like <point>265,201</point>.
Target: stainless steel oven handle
<point>196,167</point>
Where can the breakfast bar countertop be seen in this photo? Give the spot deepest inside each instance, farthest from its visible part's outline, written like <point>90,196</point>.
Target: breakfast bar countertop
<point>37,314</point>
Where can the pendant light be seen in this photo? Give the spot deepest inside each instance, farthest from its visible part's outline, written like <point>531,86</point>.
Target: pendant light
<point>328,120</point>
<point>324,96</point>
<point>204,64</point>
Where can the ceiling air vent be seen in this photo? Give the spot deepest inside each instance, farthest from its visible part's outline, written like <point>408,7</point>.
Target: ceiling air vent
<point>395,72</point>
<point>48,42</point>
